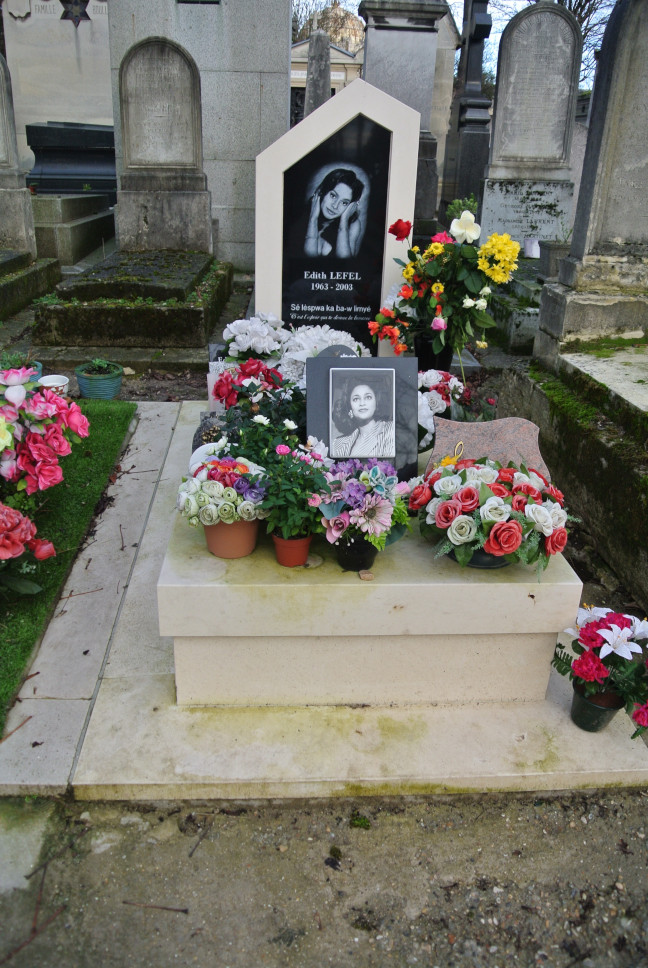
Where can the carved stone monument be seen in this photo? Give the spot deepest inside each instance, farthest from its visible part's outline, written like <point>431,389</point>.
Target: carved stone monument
<point>528,189</point>
<point>16,217</point>
<point>602,286</point>
<point>400,59</point>
<point>163,202</point>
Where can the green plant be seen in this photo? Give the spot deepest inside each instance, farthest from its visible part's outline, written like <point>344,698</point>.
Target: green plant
<point>87,188</point>
<point>99,367</point>
<point>459,205</point>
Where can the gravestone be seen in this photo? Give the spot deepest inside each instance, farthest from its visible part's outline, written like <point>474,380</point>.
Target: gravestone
<point>528,189</point>
<point>163,202</point>
<point>400,59</point>
<point>16,218</point>
<point>312,266</point>
<point>318,74</point>
<point>603,284</point>
<point>468,140</point>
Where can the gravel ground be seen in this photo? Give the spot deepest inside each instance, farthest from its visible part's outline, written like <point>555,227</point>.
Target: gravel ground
<point>466,882</point>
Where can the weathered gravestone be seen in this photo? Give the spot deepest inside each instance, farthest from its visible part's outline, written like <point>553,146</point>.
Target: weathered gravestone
<point>400,59</point>
<point>16,218</point>
<point>318,76</point>
<point>603,284</point>
<point>163,202</point>
<point>528,189</point>
<point>327,191</point>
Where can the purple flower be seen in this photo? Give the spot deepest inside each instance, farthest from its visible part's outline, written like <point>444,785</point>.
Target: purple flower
<point>353,492</point>
<point>255,493</point>
<point>242,485</point>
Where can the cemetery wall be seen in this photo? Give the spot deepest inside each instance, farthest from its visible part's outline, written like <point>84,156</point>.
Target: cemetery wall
<point>59,72</point>
<point>243,56</point>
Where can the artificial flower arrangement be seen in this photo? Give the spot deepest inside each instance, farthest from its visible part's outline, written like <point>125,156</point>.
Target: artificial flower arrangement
<point>437,390</point>
<point>511,512</point>
<point>221,489</point>
<point>292,473</point>
<point>252,388</point>
<point>446,288</point>
<point>364,500</point>
<point>37,427</point>
<point>605,655</point>
<point>17,541</point>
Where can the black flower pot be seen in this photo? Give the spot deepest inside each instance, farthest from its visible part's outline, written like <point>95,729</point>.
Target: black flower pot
<point>483,559</point>
<point>594,713</point>
<point>355,554</point>
<point>428,359</point>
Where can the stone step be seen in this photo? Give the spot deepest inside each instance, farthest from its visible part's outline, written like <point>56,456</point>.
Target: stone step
<point>13,261</point>
<point>72,240</point>
<point>22,287</point>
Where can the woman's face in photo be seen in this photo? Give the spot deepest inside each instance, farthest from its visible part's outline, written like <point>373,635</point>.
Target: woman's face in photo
<point>363,402</point>
<point>336,201</point>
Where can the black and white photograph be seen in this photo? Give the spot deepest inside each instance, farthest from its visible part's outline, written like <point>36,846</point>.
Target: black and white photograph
<point>334,228</point>
<point>365,407</point>
<point>363,414</point>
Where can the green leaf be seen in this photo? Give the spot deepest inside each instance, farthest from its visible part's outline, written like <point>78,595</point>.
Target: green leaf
<point>23,586</point>
<point>463,554</point>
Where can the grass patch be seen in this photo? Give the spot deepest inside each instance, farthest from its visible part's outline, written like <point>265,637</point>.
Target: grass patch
<point>66,513</point>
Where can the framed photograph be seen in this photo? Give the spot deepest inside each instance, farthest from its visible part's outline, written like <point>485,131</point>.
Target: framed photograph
<point>365,408</point>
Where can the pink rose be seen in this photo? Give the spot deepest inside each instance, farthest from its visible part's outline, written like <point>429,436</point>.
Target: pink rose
<point>76,421</point>
<point>314,501</point>
<point>443,238</point>
<point>39,450</point>
<point>439,323</point>
<point>282,450</point>
<point>468,497</point>
<point>55,439</point>
<point>41,549</point>
<point>640,715</point>
<point>336,527</point>
<point>446,512</point>
<point>48,475</point>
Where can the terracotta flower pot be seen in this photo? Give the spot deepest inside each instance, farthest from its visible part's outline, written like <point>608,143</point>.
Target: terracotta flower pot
<point>291,552</point>
<point>235,540</point>
<point>594,713</point>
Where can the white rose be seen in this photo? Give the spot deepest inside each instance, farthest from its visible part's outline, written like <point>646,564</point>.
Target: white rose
<point>429,379</point>
<point>290,425</point>
<point>468,303</point>
<point>537,481</point>
<point>201,499</point>
<point>520,478</point>
<point>247,511</point>
<point>495,510</point>
<point>481,304</point>
<point>485,291</point>
<point>462,530</point>
<point>540,517</point>
<point>481,473</point>
<point>213,488</point>
<point>448,485</point>
<point>209,515</point>
<point>190,506</point>
<point>558,515</point>
<point>431,401</point>
<point>430,510</point>
<point>260,419</point>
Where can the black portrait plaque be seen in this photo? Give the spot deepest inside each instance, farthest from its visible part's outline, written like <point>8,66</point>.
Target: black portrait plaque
<point>335,209</point>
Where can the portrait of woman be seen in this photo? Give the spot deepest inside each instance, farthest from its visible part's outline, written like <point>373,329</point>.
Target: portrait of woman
<point>362,414</point>
<point>337,216</point>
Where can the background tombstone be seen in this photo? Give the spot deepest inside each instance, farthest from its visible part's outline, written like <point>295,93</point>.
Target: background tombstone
<point>400,59</point>
<point>16,217</point>
<point>603,283</point>
<point>528,191</point>
<point>318,74</point>
<point>467,144</point>
<point>363,131</point>
<point>163,202</point>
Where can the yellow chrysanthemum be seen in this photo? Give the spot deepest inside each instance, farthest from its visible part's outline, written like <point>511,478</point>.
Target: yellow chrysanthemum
<point>408,271</point>
<point>437,288</point>
<point>497,257</point>
<point>433,250</point>
<point>415,248</point>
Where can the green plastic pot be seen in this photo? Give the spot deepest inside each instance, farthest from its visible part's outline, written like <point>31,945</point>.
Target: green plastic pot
<point>594,713</point>
<point>102,386</point>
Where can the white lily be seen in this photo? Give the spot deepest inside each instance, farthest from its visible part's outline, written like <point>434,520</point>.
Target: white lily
<point>618,641</point>
<point>640,629</point>
<point>465,229</point>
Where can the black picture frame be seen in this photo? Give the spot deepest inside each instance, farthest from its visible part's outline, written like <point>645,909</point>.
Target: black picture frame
<point>395,385</point>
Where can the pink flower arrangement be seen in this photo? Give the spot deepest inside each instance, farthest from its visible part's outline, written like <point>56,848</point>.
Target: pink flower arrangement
<point>608,654</point>
<point>17,538</point>
<point>36,429</point>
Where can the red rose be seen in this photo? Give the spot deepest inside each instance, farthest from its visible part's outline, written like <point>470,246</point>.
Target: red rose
<point>468,497</point>
<point>48,475</point>
<point>433,478</point>
<point>556,541</point>
<point>400,229</point>
<point>465,462</point>
<point>42,549</point>
<point>420,496</point>
<point>519,502</point>
<point>250,368</point>
<point>640,715</point>
<point>506,474</point>
<point>499,490</point>
<point>446,512</point>
<point>224,390</point>
<point>505,538</point>
<point>529,489</point>
<point>555,494</point>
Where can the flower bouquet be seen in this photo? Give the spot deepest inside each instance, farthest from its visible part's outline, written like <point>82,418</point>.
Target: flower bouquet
<point>512,513</point>
<point>37,427</point>
<point>437,389</point>
<point>605,657</point>
<point>253,388</point>
<point>365,504</point>
<point>221,490</point>
<point>17,538</point>
<point>446,288</point>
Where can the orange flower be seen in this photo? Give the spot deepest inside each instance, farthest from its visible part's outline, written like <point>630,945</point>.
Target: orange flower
<point>373,327</point>
<point>400,348</point>
<point>388,313</point>
<point>406,292</point>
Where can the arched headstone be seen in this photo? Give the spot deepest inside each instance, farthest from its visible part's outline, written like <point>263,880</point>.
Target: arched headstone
<point>163,201</point>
